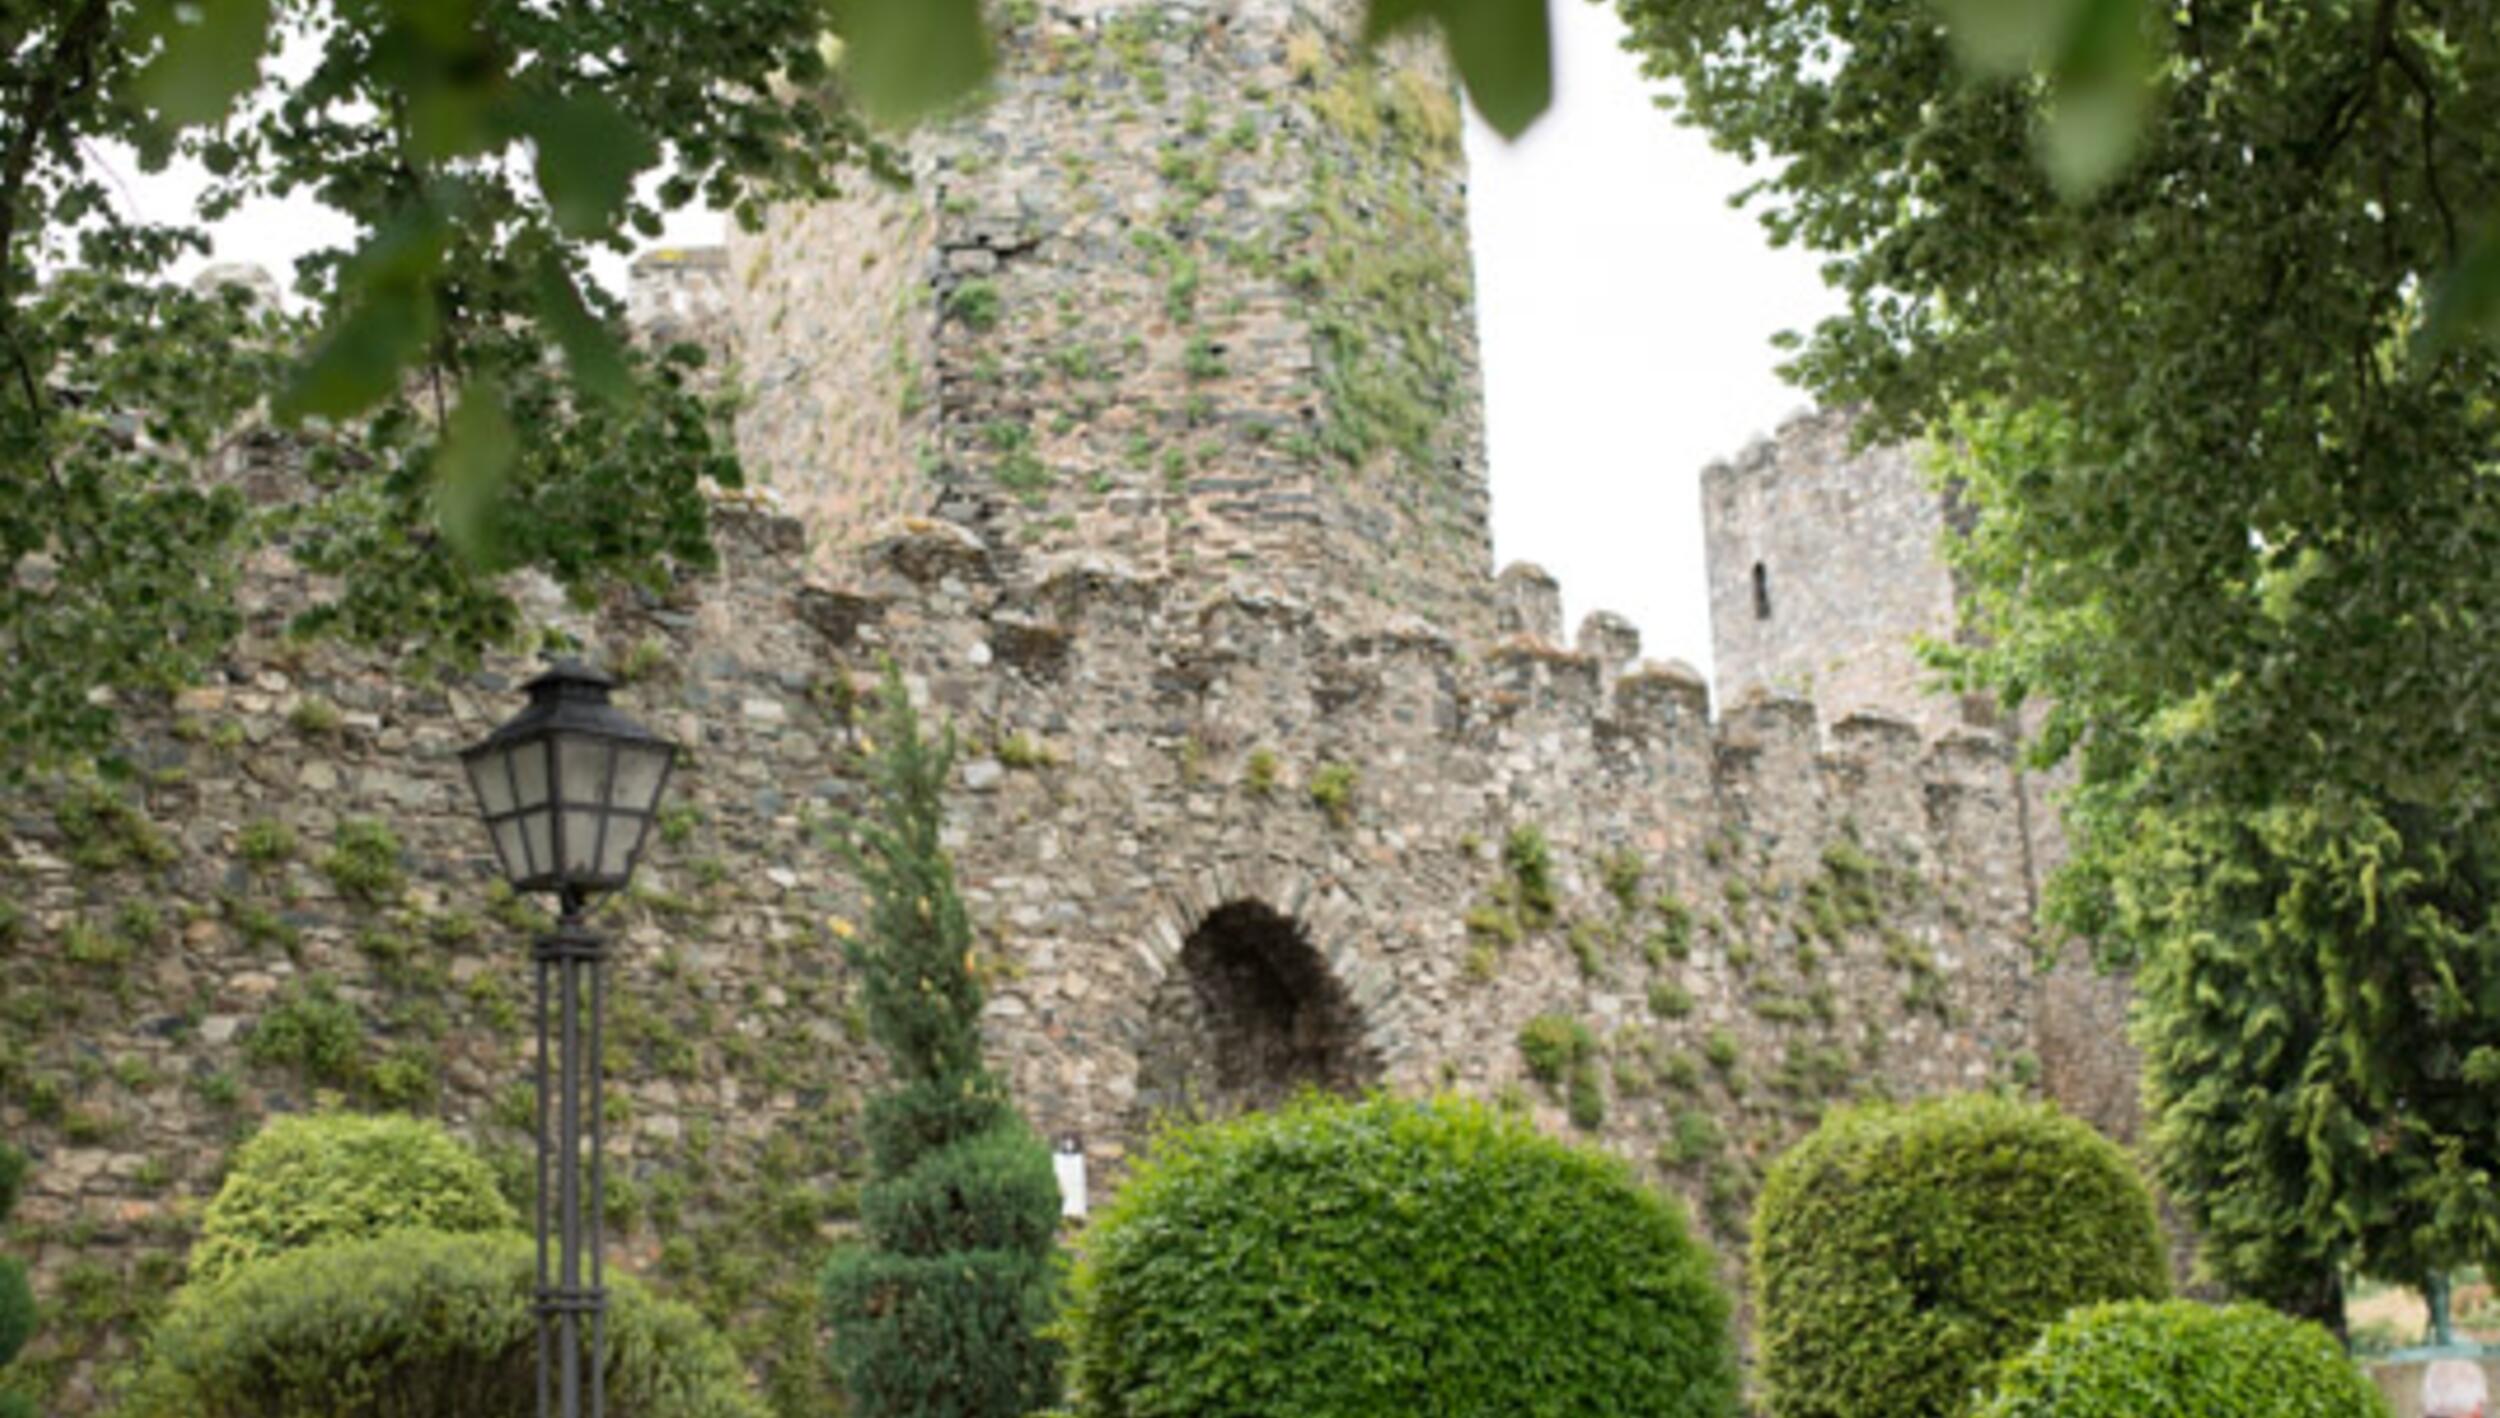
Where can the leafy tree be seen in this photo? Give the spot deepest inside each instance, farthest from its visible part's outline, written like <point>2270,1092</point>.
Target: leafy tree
<point>941,1314</point>
<point>17,1296</point>
<point>128,403</point>
<point>2320,1019</point>
<point>2222,427</point>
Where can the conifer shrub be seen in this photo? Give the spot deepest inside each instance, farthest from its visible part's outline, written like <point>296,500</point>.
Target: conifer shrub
<point>1900,1252</point>
<point>945,1311</point>
<point>2177,1359</point>
<point>1388,1258</point>
<point>18,1314</point>
<point>309,1180</point>
<point>414,1323</point>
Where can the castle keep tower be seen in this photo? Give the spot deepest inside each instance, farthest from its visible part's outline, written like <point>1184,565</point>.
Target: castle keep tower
<point>1192,291</point>
<point>1825,570</point>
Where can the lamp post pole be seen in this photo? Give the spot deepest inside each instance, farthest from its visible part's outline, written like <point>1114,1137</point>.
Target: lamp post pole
<point>572,1283</point>
<point>568,789</point>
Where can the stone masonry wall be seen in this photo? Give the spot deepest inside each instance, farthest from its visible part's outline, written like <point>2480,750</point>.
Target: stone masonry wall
<point>1192,287</point>
<point>1824,571</point>
<point>1212,843</point>
<point>1843,549</point>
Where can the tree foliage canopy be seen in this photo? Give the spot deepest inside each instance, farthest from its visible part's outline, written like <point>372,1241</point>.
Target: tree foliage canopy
<point>2224,428</point>
<point>2320,1022</point>
<point>481,148</point>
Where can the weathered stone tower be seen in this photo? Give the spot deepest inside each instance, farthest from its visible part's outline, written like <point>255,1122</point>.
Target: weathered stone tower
<point>1824,573</point>
<point>1192,290</point>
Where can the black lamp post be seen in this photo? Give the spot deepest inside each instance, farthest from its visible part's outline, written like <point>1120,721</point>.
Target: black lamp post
<point>568,788</point>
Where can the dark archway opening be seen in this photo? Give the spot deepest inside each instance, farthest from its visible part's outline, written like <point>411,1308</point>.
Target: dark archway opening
<point>1248,1017</point>
<point>1761,591</point>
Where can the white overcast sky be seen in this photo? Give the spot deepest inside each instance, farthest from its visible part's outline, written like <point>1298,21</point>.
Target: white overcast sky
<point>1626,317</point>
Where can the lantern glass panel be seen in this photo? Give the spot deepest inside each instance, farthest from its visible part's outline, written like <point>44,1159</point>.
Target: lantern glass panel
<point>529,773</point>
<point>581,777</point>
<point>493,782</point>
<point>508,847</point>
<point>581,843</point>
<point>538,842</point>
<point>640,770</point>
<point>624,836</point>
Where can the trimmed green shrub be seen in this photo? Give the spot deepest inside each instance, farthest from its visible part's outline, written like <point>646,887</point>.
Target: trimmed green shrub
<point>994,1191</point>
<point>945,1312</point>
<point>1395,1258</point>
<point>2177,1359</point>
<point>1900,1252</point>
<point>310,1180</point>
<point>414,1323</point>
<point>17,1295</point>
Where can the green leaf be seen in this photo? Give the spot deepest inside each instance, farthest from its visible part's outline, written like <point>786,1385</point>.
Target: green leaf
<point>588,155</point>
<point>2099,97</point>
<point>472,466</point>
<point>2094,55</point>
<point>904,59</point>
<point>2466,302</point>
<point>1503,50</point>
<point>388,294</point>
<point>590,350</point>
<point>2091,134</point>
<point>2008,36</point>
<point>211,53</point>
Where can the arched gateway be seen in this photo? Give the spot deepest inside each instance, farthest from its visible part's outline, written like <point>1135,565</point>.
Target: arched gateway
<point>1249,1015</point>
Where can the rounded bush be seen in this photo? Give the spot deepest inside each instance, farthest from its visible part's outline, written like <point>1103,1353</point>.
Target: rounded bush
<point>1900,1252</point>
<point>979,1318</point>
<point>309,1180</point>
<point>410,1323</point>
<point>993,1191</point>
<point>2175,1359</point>
<point>958,1279</point>
<point>1393,1258</point>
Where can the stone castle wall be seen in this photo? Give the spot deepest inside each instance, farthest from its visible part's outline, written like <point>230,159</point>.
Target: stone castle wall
<point>1192,286</point>
<point>1215,847</point>
<point>1825,571</point>
<point>1826,567</point>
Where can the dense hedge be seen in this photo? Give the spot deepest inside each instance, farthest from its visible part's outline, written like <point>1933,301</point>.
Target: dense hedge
<point>414,1324</point>
<point>1899,1253</point>
<point>309,1180</point>
<point>2181,1360</point>
<point>1392,1258</point>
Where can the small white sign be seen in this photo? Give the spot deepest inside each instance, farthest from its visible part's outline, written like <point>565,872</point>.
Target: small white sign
<point>1069,1163</point>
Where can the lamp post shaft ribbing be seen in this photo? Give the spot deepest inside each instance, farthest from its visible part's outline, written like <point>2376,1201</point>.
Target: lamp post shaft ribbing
<point>572,1273</point>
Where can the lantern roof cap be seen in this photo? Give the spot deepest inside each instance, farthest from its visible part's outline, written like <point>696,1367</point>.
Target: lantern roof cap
<point>567,697</point>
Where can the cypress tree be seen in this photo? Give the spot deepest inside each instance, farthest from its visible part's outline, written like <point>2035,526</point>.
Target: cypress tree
<point>17,1297</point>
<point>941,1313</point>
